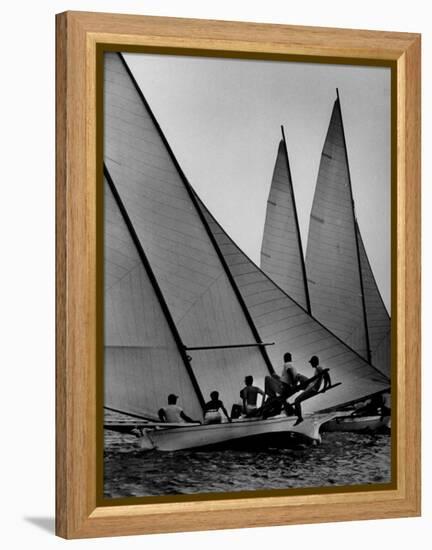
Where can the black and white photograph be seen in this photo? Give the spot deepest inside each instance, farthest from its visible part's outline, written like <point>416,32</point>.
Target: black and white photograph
<point>247,275</point>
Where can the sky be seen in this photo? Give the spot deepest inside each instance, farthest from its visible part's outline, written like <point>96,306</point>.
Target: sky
<point>222,118</point>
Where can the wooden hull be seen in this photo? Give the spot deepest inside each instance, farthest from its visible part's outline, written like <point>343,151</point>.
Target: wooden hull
<point>279,430</point>
<point>357,424</point>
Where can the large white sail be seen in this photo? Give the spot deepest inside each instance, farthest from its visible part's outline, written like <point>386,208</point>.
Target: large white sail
<point>343,291</point>
<point>378,320</point>
<point>281,320</point>
<point>142,360</point>
<point>281,251</point>
<point>332,259</point>
<point>191,274</point>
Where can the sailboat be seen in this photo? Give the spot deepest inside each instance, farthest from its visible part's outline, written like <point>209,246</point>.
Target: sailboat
<point>145,359</point>
<point>339,289</point>
<point>180,316</point>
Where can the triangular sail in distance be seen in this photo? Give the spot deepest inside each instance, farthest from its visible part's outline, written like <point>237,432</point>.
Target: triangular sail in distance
<point>343,291</point>
<point>281,320</point>
<point>378,320</point>
<point>332,257</point>
<point>203,302</point>
<point>142,360</point>
<point>281,252</point>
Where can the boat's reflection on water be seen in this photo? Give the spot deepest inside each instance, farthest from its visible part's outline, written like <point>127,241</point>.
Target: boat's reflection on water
<point>341,459</point>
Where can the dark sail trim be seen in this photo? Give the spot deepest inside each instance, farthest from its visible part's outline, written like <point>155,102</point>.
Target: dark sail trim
<point>302,259</point>
<point>202,218</point>
<point>155,285</point>
<point>368,348</point>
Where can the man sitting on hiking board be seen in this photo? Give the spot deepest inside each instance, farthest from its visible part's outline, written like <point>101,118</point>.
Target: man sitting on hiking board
<point>285,384</point>
<point>313,387</point>
<point>278,388</point>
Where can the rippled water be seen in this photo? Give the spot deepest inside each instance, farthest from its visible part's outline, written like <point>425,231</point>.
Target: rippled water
<point>341,459</point>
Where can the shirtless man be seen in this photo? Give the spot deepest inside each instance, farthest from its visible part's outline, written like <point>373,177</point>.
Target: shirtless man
<point>249,395</point>
<point>211,410</point>
<point>313,388</point>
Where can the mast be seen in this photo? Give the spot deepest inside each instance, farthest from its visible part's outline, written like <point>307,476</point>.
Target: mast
<point>181,347</point>
<point>368,348</point>
<point>303,265</point>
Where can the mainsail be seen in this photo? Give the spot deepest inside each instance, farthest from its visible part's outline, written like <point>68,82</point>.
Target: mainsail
<point>281,251</point>
<point>281,320</point>
<point>142,359</point>
<point>343,292</point>
<point>194,281</point>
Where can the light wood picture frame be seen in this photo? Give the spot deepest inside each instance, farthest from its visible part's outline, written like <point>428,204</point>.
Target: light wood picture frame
<point>82,39</point>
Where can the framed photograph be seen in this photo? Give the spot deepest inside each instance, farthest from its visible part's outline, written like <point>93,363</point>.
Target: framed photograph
<point>238,274</point>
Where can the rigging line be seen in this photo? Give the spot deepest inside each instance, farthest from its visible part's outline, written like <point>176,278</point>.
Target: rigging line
<point>368,348</point>
<point>193,197</point>
<point>133,415</point>
<point>302,260</point>
<point>228,346</point>
<point>156,287</point>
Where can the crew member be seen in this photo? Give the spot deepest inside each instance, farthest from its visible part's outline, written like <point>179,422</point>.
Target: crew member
<point>313,387</point>
<point>249,395</point>
<point>212,410</point>
<point>172,413</point>
<point>285,384</point>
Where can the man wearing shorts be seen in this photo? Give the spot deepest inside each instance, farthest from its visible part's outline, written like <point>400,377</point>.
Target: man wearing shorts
<point>249,395</point>
<point>313,388</point>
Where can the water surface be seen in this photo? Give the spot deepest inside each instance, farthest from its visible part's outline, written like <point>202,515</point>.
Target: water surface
<point>341,459</point>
